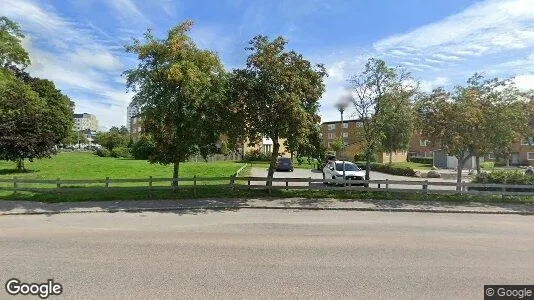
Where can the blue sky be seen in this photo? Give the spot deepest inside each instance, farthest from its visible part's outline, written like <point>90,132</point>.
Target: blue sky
<point>79,43</point>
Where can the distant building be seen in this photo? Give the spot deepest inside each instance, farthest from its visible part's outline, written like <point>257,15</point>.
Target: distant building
<point>85,121</point>
<point>132,116</point>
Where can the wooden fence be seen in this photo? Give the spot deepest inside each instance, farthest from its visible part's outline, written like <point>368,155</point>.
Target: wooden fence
<point>236,182</point>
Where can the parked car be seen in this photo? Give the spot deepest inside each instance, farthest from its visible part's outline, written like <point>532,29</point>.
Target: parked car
<point>334,170</point>
<point>284,164</point>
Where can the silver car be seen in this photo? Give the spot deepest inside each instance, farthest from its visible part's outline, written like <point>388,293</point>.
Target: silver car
<point>334,170</point>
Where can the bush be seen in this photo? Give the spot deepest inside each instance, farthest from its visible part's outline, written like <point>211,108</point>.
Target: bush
<point>393,170</point>
<point>421,160</point>
<point>143,148</point>
<point>487,165</point>
<point>103,152</point>
<point>504,177</point>
<point>255,155</point>
<point>361,157</point>
<point>121,152</point>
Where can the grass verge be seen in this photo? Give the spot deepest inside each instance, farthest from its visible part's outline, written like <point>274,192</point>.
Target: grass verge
<point>223,191</point>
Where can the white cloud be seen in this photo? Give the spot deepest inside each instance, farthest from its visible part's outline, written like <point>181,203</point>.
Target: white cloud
<point>483,28</point>
<point>76,57</point>
<point>525,82</point>
<point>127,11</point>
<point>429,85</point>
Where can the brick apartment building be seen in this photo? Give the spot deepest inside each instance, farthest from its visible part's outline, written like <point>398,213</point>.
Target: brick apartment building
<point>331,131</point>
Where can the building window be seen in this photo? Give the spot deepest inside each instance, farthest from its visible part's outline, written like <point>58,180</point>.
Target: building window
<point>331,126</point>
<point>423,143</point>
<point>345,134</point>
<point>267,149</point>
<point>530,155</point>
<point>331,135</point>
<point>345,125</point>
<point>525,142</point>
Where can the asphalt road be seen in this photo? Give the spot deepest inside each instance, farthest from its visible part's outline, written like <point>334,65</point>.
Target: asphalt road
<point>268,254</point>
<point>305,173</point>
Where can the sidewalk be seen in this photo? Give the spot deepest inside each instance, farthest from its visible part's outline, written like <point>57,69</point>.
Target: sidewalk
<point>29,207</point>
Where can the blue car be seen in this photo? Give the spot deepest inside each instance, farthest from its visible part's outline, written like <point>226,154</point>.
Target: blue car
<point>284,164</point>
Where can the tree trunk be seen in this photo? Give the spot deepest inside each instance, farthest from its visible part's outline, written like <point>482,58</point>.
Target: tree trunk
<point>274,156</point>
<point>460,167</point>
<point>477,162</point>
<point>175,169</point>
<point>20,165</point>
<point>367,165</point>
<point>390,157</point>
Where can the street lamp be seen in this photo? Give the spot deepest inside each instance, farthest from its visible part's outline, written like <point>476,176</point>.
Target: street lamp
<point>342,106</point>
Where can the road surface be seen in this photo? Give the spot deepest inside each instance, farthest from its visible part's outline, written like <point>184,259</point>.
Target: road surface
<point>268,254</point>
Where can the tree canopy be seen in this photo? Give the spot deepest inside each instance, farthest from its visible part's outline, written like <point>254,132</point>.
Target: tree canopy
<point>276,95</point>
<point>178,88</point>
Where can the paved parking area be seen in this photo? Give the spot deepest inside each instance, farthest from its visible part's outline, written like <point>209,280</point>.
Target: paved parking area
<point>306,173</point>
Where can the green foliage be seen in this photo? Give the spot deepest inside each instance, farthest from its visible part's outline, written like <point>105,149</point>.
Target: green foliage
<point>504,177</point>
<point>255,155</point>
<point>224,148</point>
<point>115,137</point>
<point>276,96</point>
<point>337,145</point>
<point>121,152</point>
<point>392,169</point>
<point>103,152</point>
<point>143,148</point>
<point>487,165</point>
<point>11,50</point>
<point>422,160</point>
<point>179,90</point>
<point>362,157</point>
<point>376,94</point>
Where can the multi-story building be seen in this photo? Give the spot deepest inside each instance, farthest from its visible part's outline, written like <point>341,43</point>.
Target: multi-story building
<point>85,121</point>
<point>420,146</point>
<point>132,116</point>
<point>332,131</point>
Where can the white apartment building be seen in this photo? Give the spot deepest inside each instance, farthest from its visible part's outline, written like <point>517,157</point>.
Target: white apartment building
<point>132,118</point>
<point>85,121</point>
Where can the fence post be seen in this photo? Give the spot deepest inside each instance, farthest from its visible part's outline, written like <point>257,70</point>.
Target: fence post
<point>309,183</point>
<point>425,187</point>
<point>15,185</point>
<point>286,184</point>
<point>232,182</point>
<point>107,182</point>
<point>58,183</point>
<point>503,190</point>
<point>195,185</point>
<point>248,184</point>
<point>150,187</point>
<point>387,184</point>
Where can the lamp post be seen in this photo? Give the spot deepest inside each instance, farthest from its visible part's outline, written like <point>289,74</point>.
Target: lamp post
<point>341,106</point>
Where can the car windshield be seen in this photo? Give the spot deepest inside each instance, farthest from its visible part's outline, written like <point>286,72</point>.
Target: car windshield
<point>284,160</point>
<point>348,167</point>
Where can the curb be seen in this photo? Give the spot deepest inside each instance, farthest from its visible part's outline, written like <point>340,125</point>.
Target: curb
<point>234,207</point>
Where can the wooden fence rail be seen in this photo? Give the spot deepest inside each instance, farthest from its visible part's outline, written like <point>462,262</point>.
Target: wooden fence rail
<point>236,182</point>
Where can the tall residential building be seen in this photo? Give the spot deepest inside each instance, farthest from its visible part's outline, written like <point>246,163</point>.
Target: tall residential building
<point>132,116</point>
<point>86,122</point>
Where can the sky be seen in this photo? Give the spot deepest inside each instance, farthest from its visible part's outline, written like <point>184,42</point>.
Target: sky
<point>79,44</point>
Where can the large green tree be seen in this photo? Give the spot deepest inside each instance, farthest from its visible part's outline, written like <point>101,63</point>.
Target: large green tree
<point>374,90</point>
<point>35,116</point>
<point>178,88</point>
<point>276,95</point>
<point>115,137</point>
<point>11,50</point>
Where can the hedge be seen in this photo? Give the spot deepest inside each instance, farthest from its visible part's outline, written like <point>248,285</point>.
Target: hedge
<point>393,170</point>
<point>503,177</point>
<point>421,160</point>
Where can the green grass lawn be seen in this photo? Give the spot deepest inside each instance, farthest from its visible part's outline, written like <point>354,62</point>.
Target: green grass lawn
<point>413,165</point>
<point>80,165</point>
<point>296,165</point>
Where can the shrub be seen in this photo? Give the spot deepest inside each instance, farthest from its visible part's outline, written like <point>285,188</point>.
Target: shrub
<point>393,170</point>
<point>421,160</point>
<point>103,152</point>
<point>255,155</point>
<point>361,157</point>
<point>143,148</point>
<point>504,177</point>
<point>487,165</point>
<point>121,152</point>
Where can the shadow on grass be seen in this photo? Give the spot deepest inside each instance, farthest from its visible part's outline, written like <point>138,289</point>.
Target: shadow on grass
<point>15,171</point>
